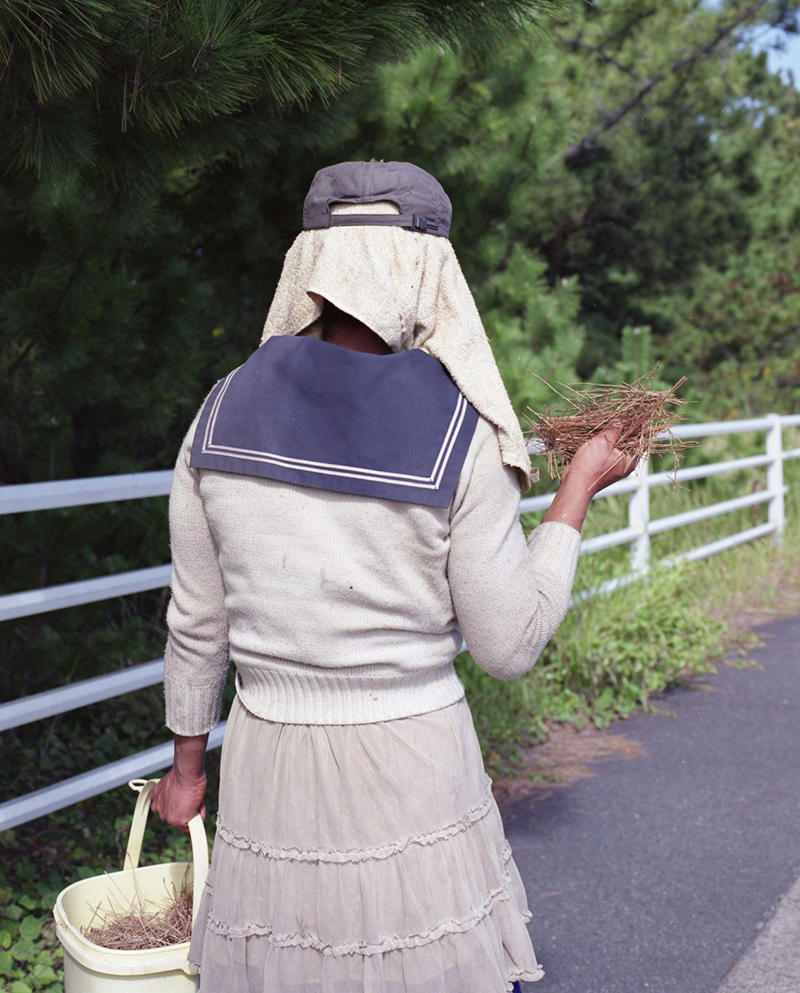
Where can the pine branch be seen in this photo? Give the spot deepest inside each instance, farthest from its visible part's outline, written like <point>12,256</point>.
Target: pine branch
<point>588,141</point>
<point>622,33</point>
<point>93,67</point>
<point>82,257</point>
<point>577,43</point>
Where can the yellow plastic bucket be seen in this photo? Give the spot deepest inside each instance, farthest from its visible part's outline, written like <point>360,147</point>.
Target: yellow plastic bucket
<point>90,968</point>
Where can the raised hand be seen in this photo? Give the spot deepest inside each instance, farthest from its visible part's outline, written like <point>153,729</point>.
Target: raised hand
<point>598,464</point>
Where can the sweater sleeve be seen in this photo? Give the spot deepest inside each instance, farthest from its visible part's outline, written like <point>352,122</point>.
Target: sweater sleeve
<point>196,657</point>
<point>510,593</point>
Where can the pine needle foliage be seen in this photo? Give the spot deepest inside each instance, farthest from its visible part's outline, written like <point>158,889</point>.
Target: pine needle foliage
<point>645,418</point>
<point>78,75</point>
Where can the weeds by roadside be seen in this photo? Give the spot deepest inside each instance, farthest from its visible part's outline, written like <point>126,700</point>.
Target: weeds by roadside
<point>611,653</point>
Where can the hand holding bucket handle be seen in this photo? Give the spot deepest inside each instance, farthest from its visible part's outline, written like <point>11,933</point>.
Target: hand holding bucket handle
<point>197,835</point>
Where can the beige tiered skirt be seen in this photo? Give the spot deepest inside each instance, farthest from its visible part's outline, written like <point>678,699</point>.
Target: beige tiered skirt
<point>367,858</point>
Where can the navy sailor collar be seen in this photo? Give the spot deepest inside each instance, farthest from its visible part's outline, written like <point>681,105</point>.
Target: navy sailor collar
<point>302,410</point>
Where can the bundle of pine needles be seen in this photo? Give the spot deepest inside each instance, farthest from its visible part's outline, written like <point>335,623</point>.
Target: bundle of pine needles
<point>645,417</point>
<point>140,926</point>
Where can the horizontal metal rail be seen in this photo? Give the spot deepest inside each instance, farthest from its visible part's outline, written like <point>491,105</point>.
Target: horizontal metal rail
<point>88,784</point>
<point>604,588</point>
<point>27,497</point>
<point>530,505</point>
<point>82,492</point>
<point>701,552</point>
<point>710,469</point>
<point>610,540</point>
<point>533,504</point>
<point>48,598</point>
<point>38,706</point>
<point>731,541</point>
<point>708,428</point>
<point>704,513</point>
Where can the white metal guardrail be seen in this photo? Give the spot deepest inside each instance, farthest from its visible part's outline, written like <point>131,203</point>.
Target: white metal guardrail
<point>105,489</point>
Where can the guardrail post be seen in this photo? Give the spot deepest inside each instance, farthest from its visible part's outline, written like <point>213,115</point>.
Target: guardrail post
<point>639,517</point>
<point>775,508</point>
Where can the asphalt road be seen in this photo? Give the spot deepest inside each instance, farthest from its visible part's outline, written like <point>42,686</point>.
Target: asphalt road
<point>658,873</point>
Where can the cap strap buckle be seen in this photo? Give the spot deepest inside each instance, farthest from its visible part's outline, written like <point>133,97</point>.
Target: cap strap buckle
<point>423,224</point>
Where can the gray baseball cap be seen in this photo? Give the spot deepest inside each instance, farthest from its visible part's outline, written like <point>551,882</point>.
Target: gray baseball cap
<point>423,204</point>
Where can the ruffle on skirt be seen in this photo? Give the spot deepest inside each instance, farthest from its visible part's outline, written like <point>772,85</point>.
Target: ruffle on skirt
<point>366,858</point>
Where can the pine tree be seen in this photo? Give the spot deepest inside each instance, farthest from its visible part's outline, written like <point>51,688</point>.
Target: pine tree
<point>129,87</point>
<point>737,326</point>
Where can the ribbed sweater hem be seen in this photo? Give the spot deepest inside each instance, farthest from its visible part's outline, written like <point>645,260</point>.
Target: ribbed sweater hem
<point>294,693</point>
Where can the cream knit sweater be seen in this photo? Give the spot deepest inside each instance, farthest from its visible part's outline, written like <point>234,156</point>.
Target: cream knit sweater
<point>345,609</point>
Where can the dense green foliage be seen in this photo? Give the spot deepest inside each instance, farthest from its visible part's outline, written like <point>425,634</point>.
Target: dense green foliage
<point>625,190</point>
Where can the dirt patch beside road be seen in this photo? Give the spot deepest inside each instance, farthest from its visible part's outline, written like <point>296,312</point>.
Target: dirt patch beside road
<point>569,754</point>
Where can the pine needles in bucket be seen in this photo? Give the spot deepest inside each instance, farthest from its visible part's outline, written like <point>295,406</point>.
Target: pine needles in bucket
<point>645,417</point>
<point>141,925</point>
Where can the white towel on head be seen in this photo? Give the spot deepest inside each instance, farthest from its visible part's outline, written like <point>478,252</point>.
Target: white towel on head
<point>409,289</point>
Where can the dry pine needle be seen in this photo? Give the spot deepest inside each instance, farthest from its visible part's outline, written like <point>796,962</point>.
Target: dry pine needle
<point>645,417</point>
<point>139,926</point>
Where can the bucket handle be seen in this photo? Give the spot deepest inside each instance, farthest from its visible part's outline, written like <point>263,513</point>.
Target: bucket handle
<point>197,835</point>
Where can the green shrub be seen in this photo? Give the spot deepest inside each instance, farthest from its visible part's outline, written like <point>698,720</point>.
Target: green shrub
<point>613,652</point>
<point>605,660</point>
<point>30,957</point>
